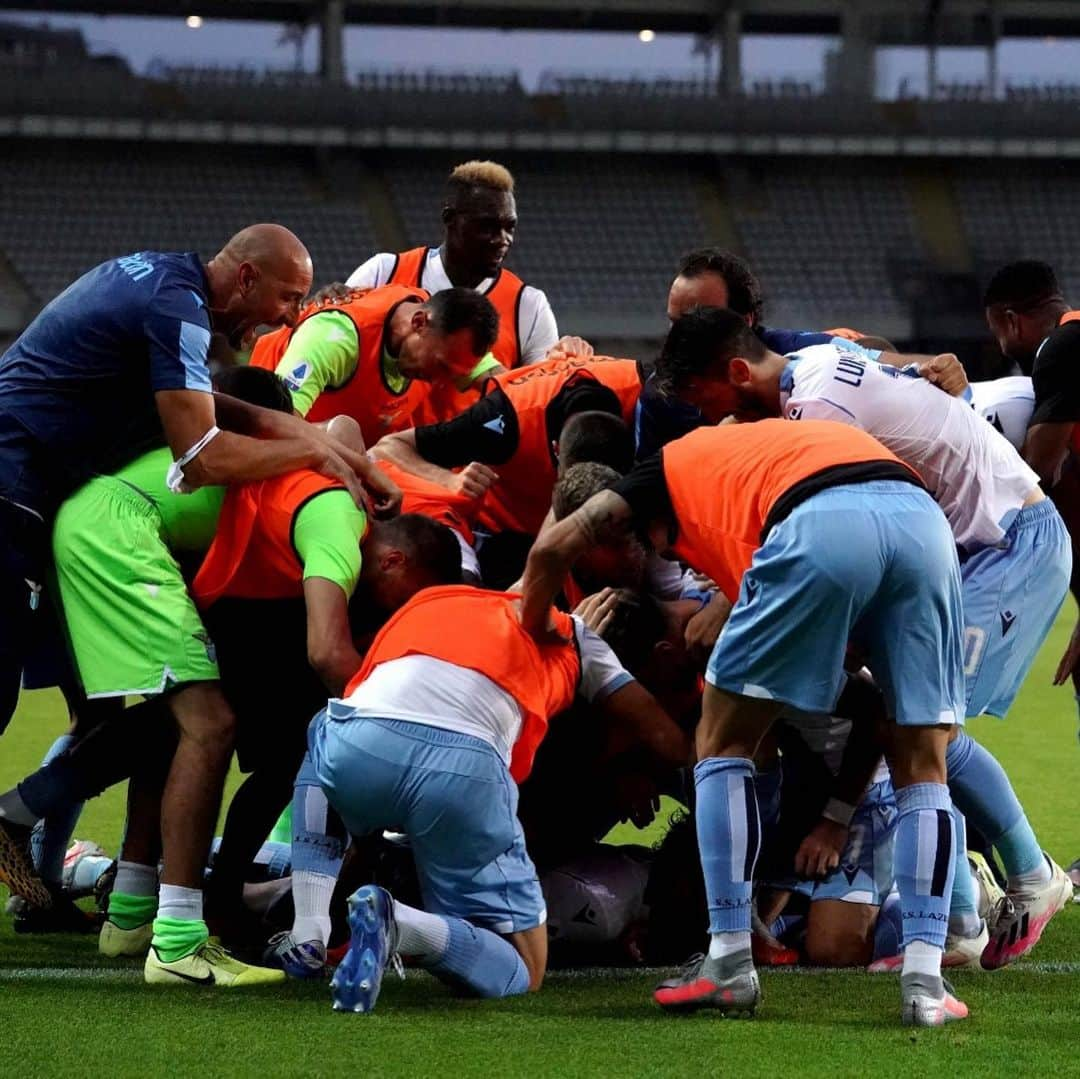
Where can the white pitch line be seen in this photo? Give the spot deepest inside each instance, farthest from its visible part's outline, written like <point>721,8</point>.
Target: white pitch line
<point>119,976</point>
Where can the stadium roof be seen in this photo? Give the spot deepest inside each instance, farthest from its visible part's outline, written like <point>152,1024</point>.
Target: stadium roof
<point>889,22</point>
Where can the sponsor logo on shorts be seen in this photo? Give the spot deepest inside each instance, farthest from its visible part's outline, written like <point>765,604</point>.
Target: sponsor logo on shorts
<point>1007,619</point>
<point>498,425</point>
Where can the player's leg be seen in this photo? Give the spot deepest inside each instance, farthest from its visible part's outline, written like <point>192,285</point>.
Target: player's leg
<point>181,951</point>
<point>317,849</point>
<point>803,585</point>
<point>1011,596</point>
<point>840,934</point>
<point>844,906</point>
<point>913,634</point>
<point>455,799</point>
<point>133,900</point>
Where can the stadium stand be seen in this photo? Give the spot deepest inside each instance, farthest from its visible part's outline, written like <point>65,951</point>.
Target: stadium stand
<point>822,240</point>
<point>1019,211</point>
<point>68,206</point>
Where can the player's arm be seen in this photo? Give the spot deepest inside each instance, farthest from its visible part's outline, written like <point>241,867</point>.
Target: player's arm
<point>483,435</point>
<point>373,273</point>
<point>606,518</point>
<point>537,327</point>
<point>636,712</point>
<point>944,370</point>
<point>327,533</point>
<point>322,354</point>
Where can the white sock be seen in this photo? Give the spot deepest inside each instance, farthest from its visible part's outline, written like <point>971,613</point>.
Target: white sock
<point>722,945</point>
<point>132,878</point>
<point>184,904</point>
<point>1029,882</point>
<point>14,809</point>
<point>311,902</point>
<point>922,958</point>
<point>420,935</point>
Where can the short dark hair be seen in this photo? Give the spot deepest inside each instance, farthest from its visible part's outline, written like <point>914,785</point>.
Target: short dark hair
<point>578,484</point>
<point>1022,285</point>
<point>700,339</point>
<point>428,544</point>
<point>456,309</point>
<point>744,289</point>
<point>596,436</point>
<point>636,624</point>
<point>256,386</point>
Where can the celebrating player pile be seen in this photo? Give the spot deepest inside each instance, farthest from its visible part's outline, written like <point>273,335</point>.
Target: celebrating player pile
<point>769,578</point>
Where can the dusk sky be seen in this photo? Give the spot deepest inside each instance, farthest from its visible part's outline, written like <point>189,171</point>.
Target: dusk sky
<point>221,42</point>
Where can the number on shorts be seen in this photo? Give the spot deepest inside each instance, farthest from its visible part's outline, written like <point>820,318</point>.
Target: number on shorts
<point>974,643</point>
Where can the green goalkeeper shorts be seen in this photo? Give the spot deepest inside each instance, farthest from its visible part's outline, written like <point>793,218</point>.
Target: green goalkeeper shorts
<point>132,623</point>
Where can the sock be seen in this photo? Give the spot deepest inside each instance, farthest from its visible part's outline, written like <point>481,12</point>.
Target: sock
<point>728,831</point>
<point>723,945</point>
<point>179,927</point>
<point>14,809</point>
<point>983,793</point>
<point>133,878</point>
<point>922,967</point>
<point>480,961</point>
<point>420,935</point>
<point>180,903</point>
<point>923,862</point>
<point>318,847</point>
<point>311,894</point>
<point>964,918</point>
<point>1016,847</point>
<point>131,911</point>
<point>50,840</point>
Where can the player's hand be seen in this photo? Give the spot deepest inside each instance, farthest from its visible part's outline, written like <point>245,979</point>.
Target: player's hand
<point>946,372</point>
<point>597,610</point>
<point>1070,658</point>
<point>385,495</point>
<point>335,292</point>
<point>570,346</point>
<point>333,465</point>
<point>637,798</point>
<point>474,480</point>
<point>819,853</point>
<point>703,629</point>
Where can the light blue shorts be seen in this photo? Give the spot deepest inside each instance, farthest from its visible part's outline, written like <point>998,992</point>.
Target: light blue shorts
<point>1012,595</point>
<point>865,873</point>
<point>451,794</point>
<point>873,563</point>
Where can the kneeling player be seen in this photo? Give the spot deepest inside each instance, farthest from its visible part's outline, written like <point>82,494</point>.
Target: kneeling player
<point>445,714</point>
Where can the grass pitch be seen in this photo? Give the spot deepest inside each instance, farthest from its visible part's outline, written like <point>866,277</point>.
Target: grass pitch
<point>62,1012</point>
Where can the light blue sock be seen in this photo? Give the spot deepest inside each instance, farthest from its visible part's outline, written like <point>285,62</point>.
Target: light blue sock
<point>318,838</point>
<point>923,860</point>
<point>480,961</point>
<point>982,792</point>
<point>963,903</point>
<point>51,836</point>
<point>728,832</point>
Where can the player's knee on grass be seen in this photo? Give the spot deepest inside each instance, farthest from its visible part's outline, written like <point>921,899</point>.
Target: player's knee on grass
<point>840,934</point>
<point>532,946</point>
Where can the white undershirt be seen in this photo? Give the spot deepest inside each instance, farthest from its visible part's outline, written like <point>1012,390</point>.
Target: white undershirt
<point>434,693</point>
<point>1007,403</point>
<point>537,330</point>
<point>977,477</point>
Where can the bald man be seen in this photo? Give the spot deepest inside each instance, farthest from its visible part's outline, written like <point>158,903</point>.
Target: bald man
<point>109,367</point>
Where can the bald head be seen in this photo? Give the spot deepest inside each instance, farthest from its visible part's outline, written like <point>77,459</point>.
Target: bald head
<point>259,278</point>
